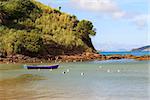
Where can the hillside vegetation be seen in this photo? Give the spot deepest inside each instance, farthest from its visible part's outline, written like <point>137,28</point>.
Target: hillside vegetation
<point>30,28</point>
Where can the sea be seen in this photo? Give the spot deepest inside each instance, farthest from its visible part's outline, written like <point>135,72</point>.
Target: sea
<point>90,80</point>
<point>135,53</point>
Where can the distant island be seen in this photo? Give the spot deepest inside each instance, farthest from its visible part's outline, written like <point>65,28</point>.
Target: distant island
<point>144,48</point>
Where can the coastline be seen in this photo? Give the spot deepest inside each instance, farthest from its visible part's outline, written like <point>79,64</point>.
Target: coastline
<point>86,56</point>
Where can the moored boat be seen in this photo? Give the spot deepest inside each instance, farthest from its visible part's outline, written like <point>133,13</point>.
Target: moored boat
<point>41,66</point>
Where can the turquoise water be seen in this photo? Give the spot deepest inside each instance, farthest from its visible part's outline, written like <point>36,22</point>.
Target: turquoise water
<point>102,80</point>
<point>127,52</point>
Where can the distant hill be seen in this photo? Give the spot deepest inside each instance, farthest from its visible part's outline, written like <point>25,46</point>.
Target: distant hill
<point>144,48</point>
<point>31,28</point>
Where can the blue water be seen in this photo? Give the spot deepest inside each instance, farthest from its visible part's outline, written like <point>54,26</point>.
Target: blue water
<point>102,80</point>
<point>142,53</point>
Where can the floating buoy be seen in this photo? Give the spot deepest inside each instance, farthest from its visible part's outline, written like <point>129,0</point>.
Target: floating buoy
<point>100,67</point>
<point>67,70</point>
<point>82,74</point>
<point>118,70</point>
<point>50,69</point>
<point>41,62</point>
<point>39,69</point>
<point>63,72</point>
<point>108,70</point>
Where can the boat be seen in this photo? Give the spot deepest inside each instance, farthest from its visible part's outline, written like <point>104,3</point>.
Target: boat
<point>41,66</point>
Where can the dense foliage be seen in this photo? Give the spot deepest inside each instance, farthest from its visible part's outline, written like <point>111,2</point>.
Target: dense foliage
<point>29,27</point>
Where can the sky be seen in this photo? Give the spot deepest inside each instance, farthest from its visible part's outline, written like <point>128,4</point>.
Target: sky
<point>120,24</point>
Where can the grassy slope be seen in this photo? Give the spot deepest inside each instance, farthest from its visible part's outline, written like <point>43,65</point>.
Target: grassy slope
<point>36,29</point>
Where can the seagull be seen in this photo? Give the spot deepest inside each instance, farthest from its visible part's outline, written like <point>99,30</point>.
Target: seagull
<point>118,70</point>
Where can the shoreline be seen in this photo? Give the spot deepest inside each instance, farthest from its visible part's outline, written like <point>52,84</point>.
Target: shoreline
<point>86,56</point>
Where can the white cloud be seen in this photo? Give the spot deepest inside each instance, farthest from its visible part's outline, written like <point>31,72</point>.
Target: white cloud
<point>104,6</point>
<point>101,5</point>
<point>111,8</point>
<point>119,14</point>
<point>141,20</point>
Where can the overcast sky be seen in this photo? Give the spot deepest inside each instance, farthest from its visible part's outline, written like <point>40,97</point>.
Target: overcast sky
<point>120,24</point>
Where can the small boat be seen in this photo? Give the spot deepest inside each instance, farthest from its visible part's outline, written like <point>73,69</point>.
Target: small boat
<point>41,66</point>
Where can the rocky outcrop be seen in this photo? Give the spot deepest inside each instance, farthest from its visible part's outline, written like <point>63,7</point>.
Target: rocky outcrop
<point>143,58</point>
<point>114,57</point>
<point>86,56</point>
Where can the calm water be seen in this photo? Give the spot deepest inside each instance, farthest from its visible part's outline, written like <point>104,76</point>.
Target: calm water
<point>102,80</point>
<point>137,53</point>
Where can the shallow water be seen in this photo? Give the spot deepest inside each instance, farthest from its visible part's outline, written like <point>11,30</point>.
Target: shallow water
<point>102,80</point>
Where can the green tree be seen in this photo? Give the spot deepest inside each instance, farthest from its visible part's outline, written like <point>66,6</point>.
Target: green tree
<point>33,43</point>
<point>59,8</point>
<point>85,28</point>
